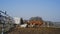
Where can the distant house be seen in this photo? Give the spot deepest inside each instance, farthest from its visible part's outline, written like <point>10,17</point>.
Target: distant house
<point>47,24</point>
<point>17,20</point>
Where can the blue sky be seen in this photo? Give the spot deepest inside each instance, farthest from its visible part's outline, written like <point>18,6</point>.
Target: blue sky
<point>47,9</point>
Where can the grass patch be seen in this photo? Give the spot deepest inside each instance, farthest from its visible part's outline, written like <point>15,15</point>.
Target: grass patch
<point>41,30</point>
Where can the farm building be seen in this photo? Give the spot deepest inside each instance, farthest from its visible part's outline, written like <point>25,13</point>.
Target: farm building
<point>17,20</point>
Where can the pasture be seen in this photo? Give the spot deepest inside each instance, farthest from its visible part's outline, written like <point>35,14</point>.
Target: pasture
<point>41,30</point>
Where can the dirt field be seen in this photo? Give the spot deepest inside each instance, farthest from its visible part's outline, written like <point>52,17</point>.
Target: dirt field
<point>42,30</point>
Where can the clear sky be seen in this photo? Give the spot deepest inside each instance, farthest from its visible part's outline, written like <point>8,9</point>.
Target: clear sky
<point>47,9</point>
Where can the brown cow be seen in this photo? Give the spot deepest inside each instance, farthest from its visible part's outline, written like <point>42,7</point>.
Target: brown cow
<point>35,22</point>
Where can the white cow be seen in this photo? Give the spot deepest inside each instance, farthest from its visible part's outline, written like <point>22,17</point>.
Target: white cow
<point>23,25</point>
